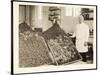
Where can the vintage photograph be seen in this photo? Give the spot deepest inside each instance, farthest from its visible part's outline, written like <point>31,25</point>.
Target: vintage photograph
<point>53,37</point>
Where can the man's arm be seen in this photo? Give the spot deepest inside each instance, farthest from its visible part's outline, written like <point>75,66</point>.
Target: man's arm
<point>86,36</point>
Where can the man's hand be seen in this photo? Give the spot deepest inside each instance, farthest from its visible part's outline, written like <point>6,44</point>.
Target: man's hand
<point>85,43</point>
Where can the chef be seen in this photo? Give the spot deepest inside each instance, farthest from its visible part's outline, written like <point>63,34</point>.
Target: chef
<point>82,36</point>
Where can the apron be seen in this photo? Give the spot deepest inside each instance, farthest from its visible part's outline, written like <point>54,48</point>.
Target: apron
<point>82,35</point>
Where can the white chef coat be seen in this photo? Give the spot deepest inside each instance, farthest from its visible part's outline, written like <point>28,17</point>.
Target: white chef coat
<point>82,36</point>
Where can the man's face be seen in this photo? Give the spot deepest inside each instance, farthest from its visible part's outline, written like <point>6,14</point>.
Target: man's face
<point>81,19</point>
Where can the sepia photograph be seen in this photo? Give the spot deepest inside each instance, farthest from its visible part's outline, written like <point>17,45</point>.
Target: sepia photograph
<point>53,37</point>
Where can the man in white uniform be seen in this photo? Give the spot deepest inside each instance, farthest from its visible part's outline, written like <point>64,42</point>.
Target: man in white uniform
<point>82,36</point>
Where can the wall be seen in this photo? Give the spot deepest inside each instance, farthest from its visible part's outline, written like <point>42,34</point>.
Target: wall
<point>32,17</point>
<point>46,23</point>
<point>68,23</point>
<point>21,14</point>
